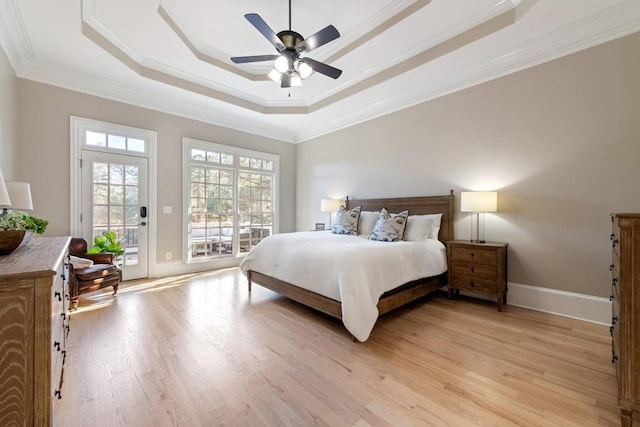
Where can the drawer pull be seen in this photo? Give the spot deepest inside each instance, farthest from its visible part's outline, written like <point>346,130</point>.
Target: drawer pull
<point>58,295</point>
<point>614,281</point>
<point>63,277</point>
<point>58,394</point>
<point>472,284</point>
<point>611,330</point>
<point>611,298</point>
<point>473,254</point>
<point>614,320</point>
<point>56,345</point>
<point>614,359</point>
<point>614,243</point>
<point>610,267</point>
<point>472,269</point>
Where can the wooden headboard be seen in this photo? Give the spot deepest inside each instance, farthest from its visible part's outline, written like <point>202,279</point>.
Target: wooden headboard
<point>417,206</point>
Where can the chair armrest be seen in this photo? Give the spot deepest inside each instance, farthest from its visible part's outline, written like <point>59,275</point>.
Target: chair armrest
<point>102,258</point>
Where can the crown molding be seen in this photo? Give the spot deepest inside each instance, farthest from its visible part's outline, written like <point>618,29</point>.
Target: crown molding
<point>13,34</point>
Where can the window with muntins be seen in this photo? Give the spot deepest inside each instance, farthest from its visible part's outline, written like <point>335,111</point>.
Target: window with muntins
<point>231,199</point>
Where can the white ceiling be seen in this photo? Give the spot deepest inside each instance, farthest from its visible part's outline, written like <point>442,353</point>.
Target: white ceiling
<point>173,55</point>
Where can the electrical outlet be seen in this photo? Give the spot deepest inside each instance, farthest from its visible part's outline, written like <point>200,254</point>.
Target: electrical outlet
<point>168,256</point>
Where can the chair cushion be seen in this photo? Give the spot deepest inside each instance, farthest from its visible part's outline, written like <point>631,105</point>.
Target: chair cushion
<point>96,271</point>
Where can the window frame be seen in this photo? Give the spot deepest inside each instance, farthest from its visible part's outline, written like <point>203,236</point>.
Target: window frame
<point>187,145</point>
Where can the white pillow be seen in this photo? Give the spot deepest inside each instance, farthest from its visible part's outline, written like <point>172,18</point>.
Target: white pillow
<point>367,222</point>
<point>422,227</point>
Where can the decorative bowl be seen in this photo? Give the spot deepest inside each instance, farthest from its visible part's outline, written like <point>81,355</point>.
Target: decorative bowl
<point>10,240</point>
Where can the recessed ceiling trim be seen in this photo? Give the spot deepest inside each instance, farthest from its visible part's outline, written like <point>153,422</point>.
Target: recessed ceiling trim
<point>93,29</point>
<point>102,36</point>
<point>194,43</point>
<point>466,34</point>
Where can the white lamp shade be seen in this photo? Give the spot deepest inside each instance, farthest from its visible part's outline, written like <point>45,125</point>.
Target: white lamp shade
<point>5,200</point>
<point>20,193</point>
<point>330,205</point>
<point>478,201</point>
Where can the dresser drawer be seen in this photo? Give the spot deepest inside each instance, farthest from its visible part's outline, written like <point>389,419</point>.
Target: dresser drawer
<point>475,269</point>
<point>473,283</point>
<point>475,255</point>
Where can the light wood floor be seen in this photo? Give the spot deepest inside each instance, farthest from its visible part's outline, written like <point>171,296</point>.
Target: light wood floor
<point>199,351</point>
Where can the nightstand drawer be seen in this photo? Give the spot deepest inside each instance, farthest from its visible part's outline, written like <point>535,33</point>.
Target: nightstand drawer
<point>470,268</point>
<point>472,283</point>
<point>476,255</point>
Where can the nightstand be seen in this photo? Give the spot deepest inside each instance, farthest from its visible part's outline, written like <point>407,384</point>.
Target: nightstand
<point>479,268</point>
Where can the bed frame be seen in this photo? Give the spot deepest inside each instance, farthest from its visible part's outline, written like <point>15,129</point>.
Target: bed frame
<point>397,297</point>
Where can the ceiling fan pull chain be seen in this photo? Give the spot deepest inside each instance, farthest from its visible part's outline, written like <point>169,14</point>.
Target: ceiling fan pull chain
<point>289,15</point>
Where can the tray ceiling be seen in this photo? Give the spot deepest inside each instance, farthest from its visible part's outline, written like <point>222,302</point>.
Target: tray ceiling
<point>173,55</point>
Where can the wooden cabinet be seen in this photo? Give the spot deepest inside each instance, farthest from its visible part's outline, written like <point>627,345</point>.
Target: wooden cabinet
<point>34,323</point>
<point>625,303</point>
<point>479,268</point>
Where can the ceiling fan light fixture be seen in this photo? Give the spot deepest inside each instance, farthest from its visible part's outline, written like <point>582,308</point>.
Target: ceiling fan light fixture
<point>275,75</point>
<point>282,64</point>
<point>304,69</point>
<point>295,79</point>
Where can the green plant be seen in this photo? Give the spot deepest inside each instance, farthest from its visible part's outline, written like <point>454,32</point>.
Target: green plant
<point>108,242</point>
<point>23,221</point>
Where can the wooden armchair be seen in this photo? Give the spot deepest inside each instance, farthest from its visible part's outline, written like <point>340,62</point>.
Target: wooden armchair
<point>103,273</point>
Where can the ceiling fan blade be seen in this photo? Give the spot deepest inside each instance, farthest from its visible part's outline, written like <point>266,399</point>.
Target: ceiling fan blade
<point>324,36</point>
<point>265,30</point>
<point>256,58</point>
<point>322,68</point>
<point>286,80</point>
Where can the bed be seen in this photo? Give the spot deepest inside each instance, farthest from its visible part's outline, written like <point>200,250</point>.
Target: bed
<point>257,269</point>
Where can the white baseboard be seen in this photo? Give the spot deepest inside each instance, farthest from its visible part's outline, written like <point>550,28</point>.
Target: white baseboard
<point>176,268</point>
<point>568,304</point>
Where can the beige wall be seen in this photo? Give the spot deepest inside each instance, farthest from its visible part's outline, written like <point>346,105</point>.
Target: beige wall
<point>560,142</point>
<point>8,106</point>
<point>43,157</point>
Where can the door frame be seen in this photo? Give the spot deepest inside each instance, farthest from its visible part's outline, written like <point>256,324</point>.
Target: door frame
<point>78,126</point>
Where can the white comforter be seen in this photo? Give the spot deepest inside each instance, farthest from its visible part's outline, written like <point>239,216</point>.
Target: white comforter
<point>350,269</point>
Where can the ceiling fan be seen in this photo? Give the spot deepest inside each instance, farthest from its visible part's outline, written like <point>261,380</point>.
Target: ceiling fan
<point>290,66</point>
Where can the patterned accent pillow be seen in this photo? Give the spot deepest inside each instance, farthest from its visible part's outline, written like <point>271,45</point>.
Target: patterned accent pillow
<point>389,227</point>
<point>347,221</point>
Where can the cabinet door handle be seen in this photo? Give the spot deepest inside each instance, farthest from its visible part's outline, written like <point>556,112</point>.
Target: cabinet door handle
<point>614,358</point>
<point>58,394</point>
<point>610,267</point>
<point>58,295</point>
<point>56,345</point>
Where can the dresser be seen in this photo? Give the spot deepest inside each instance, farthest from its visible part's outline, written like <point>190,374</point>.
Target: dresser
<point>34,323</point>
<point>625,319</point>
<point>478,268</point>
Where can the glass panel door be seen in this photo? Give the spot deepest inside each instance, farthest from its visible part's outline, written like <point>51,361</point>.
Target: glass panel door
<point>114,198</point>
